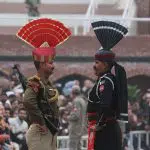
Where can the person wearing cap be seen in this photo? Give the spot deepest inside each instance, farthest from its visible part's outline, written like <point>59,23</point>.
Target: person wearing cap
<point>107,100</point>
<point>40,98</point>
<point>77,119</point>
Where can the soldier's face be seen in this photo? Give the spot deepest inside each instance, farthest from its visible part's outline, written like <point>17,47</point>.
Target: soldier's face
<point>99,67</point>
<point>48,68</point>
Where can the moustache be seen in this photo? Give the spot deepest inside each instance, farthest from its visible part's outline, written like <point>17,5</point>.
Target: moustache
<point>52,68</point>
<point>94,67</point>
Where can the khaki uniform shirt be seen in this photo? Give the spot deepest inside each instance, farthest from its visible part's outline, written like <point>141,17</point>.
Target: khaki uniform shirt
<point>31,99</point>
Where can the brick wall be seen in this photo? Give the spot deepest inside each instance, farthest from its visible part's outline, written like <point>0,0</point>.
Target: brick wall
<point>79,46</point>
<point>84,69</point>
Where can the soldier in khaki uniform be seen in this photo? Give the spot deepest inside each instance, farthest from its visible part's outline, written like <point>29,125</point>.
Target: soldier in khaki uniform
<point>40,99</point>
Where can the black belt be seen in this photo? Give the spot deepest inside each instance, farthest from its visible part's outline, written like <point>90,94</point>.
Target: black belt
<point>90,118</point>
<point>94,116</point>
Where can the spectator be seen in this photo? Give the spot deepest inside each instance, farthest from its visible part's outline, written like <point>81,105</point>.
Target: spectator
<point>86,87</point>
<point>19,128</point>
<point>10,90</point>
<point>5,141</point>
<point>11,97</point>
<point>7,114</point>
<point>76,119</point>
<point>63,129</point>
<point>62,101</point>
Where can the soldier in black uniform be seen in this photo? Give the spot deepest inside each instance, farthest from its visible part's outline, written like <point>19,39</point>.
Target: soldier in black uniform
<point>108,98</point>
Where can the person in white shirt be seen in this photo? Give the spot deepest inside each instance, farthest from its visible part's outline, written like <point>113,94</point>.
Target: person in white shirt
<point>19,128</point>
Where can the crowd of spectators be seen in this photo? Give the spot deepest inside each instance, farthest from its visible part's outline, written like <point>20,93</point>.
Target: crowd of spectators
<point>65,102</point>
<point>139,119</point>
<point>13,117</point>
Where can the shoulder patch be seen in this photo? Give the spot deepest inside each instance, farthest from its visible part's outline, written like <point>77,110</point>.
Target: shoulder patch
<point>34,78</point>
<point>110,80</point>
<point>34,83</point>
<point>101,88</point>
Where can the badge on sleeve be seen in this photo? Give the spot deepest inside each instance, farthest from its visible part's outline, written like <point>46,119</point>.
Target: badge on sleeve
<point>101,88</point>
<point>34,85</point>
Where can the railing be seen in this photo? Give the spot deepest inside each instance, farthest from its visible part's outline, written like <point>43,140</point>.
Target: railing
<point>63,141</point>
<point>89,14</point>
<point>129,10</point>
<point>73,21</point>
<point>138,135</point>
<point>51,1</point>
<point>63,1</point>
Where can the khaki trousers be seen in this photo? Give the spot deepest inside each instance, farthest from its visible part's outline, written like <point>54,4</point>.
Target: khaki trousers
<point>38,141</point>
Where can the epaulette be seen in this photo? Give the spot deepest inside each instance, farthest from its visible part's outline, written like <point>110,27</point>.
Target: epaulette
<point>34,83</point>
<point>34,78</point>
<point>110,77</point>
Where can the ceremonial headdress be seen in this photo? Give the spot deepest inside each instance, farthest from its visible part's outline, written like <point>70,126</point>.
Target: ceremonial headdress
<point>44,35</point>
<point>109,34</point>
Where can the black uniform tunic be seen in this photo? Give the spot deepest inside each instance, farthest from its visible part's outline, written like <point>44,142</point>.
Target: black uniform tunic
<point>102,102</point>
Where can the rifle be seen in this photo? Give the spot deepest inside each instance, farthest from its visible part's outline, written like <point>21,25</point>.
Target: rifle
<point>51,122</point>
<point>21,77</point>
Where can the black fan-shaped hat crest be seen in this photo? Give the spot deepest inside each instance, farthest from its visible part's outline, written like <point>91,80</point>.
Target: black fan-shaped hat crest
<point>109,33</point>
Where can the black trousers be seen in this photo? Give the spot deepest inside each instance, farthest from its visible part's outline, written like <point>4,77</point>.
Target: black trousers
<point>110,138</point>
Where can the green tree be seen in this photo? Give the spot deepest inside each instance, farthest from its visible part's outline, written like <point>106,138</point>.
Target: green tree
<point>133,93</point>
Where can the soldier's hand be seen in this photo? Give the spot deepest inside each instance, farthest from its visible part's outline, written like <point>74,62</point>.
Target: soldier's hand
<point>43,129</point>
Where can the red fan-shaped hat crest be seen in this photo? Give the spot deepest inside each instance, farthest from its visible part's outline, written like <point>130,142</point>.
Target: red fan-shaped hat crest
<point>44,34</point>
<point>42,30</point>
